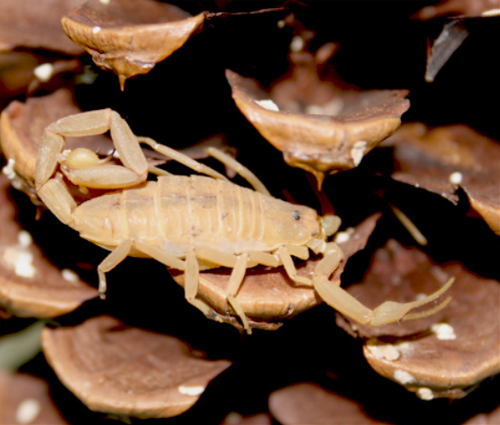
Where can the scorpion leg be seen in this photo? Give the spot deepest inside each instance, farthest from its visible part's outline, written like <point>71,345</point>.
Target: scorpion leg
<point>235,281</point>
<point>192,271</point>
<point>191,282</point>
<point>289,265</point>
<point>264,258</point>
<point>239,265</point>
<point>227,160</point>
<point>160,256</point>
<point>342,301</point>
<point>299,251</point>
<point>181,158</point>
<point>114,258</point>
<point>239,168</point>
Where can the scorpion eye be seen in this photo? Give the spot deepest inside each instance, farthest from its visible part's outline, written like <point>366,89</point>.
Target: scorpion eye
<point>296,215</point>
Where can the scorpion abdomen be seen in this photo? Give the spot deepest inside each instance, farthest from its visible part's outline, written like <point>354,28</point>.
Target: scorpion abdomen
<point>178,213</point>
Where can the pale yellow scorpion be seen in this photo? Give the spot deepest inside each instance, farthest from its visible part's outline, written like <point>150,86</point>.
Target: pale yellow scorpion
<point>192,223</point>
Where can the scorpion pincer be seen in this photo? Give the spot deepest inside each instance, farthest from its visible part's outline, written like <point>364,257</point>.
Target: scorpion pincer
<point>195,222</point>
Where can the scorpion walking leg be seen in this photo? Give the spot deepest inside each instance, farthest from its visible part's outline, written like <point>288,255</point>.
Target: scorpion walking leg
<point>264,258</point>
<point>240,169</point>
<point>156,253</point>
<point>191,284</point>
<point>239,265</point>
<point>387,312</point>
<point>237,276</point>
<point>110,262</point>
<point>289,265</point>
<point>181,158</point>
<point>191,268</point>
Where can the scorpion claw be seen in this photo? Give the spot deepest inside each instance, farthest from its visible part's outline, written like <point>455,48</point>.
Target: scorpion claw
<point>388,312</point>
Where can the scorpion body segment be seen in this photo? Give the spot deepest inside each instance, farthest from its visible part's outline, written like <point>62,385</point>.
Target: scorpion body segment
<point>192,223</point>
<point>180,213</point>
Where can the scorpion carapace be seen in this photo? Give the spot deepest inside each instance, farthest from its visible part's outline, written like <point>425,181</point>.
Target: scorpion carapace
<point>192,223</point>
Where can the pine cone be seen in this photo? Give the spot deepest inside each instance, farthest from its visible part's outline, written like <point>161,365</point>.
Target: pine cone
<point>332,106</point>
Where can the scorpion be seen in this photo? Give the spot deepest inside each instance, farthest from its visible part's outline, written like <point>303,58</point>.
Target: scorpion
<point>192,222</point>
